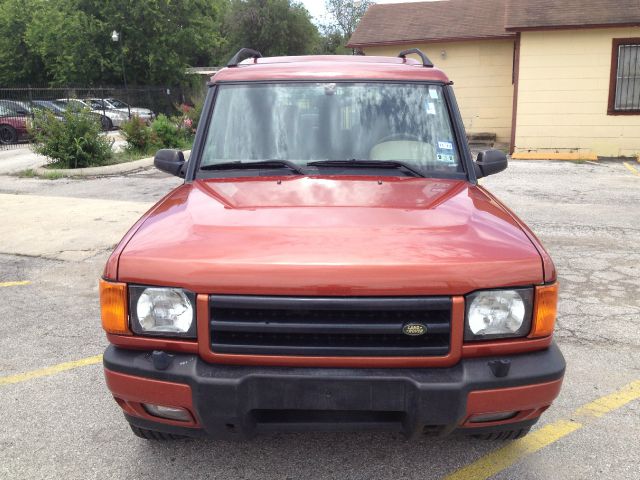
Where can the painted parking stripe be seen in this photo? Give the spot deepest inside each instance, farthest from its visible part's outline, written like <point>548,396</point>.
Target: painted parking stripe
<point>504,457</point>
<point>14,284</point>
<point>631,168</point>
<point>48,371</point>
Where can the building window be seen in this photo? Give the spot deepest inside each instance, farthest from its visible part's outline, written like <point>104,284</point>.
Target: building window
<point>624,89</point>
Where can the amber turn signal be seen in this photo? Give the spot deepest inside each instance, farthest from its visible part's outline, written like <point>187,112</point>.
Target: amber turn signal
<point>545,310</point>
<point>113,307</point>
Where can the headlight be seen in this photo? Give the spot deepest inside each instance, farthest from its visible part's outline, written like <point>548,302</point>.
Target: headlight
<point>162,311</point>
<point>498,314</point>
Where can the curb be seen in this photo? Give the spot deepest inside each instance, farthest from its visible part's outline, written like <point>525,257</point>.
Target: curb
<point>118,168</point>
<point>571,156</point>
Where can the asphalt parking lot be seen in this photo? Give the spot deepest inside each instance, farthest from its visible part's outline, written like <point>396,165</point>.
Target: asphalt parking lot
<point>59,421</point>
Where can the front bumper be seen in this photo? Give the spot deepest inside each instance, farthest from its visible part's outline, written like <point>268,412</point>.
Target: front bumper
<point>238,401</point>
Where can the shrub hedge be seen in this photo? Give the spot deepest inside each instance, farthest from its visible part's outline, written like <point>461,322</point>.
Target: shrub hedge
<point>73,141</point>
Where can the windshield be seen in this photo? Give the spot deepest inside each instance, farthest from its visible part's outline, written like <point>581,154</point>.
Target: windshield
<point>50,105</point>
<point>115,103</point>
<point>308,122</point>
<point>6,111</point>
<point>97,104</point>
<point>71,104</point>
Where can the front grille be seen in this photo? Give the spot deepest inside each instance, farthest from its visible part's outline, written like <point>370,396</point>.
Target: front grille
<point>329,326</point>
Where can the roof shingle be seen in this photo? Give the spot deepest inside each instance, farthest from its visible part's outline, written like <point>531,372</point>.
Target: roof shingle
<point>430,21</point>
<point>402,23</point>
<point>532,14</point>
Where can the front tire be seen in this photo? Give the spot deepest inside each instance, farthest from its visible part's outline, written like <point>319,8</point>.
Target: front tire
<point>107,124</point>
<point>8,135</point>
<point>153,434</point>
<point>504,434</point>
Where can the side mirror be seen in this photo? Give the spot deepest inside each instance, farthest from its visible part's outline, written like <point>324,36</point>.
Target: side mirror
<point>170,161</point>
<point>490,162</point>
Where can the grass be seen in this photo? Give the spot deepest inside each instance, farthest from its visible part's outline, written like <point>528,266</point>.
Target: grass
<point>31,173</point>
<point>131,155</point>
<point>53,175</point>
<point>28,173</point>
<point>123,156</point>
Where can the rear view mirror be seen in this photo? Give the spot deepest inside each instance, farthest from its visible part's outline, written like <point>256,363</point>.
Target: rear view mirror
<point>490,162</point>
<point>170,161</point>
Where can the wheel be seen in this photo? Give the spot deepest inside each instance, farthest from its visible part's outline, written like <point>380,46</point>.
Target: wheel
<point>153,434</point>
<point>504,434</point>
<point>107,124</point>
<point>8,135</point>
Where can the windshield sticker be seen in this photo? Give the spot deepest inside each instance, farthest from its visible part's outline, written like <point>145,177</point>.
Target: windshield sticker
<point>445,145</point>
<point>445,157</point>
<point>431,108</point>
<point>433,93</point>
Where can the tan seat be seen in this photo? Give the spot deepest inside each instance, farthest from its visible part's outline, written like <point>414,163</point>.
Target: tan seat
<point>418,153</point>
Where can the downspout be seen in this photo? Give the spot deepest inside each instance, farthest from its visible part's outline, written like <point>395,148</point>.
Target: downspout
<point>516,76</point>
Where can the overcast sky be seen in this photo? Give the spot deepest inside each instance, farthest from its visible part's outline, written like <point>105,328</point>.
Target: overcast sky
<point>317,11</point>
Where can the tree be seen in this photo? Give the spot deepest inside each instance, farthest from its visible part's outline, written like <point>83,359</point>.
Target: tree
<point>345,14</point>
<point>343,17</point>
<point>273,27</point>
<point>18,64</point>
<point>66,42</point>
<point>332,42</point>
<point>160,38</point>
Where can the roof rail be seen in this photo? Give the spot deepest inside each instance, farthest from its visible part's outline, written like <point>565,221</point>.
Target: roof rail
<point>425,60</point>
<point>243,54</point>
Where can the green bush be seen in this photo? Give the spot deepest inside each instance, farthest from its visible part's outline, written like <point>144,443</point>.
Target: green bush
<point>74,141</point>
<point>192,116</point>
<point>168,132</point>
<point>138,135</point>
<point>164,132</point>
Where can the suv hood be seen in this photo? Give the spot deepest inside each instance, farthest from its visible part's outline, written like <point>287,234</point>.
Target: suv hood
<point>330,236</point>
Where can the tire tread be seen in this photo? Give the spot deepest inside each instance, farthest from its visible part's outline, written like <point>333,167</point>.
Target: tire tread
<point>154,435</point>
<point>504,434</point>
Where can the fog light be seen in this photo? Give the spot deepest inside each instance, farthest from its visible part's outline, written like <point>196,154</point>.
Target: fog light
<point>492,417</point>
<point>172,413</point>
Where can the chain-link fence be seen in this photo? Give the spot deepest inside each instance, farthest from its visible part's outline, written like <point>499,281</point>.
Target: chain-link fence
<point>112,105</point>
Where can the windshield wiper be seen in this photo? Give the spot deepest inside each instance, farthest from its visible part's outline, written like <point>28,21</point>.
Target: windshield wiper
<point>366,164</point>
<point>238,165</point>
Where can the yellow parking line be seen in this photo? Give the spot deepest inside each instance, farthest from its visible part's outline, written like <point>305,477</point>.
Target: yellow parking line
<point>504,457</point>
<point>608,403</point>
<point>48,371</point>
<point>14,284</point>
<point>631,168</point>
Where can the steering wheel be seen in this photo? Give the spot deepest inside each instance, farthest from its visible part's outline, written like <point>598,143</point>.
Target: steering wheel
<point>399,136</point>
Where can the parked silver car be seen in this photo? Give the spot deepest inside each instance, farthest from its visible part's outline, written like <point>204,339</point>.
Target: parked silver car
<point>119,106</point>
<point>108,118</point>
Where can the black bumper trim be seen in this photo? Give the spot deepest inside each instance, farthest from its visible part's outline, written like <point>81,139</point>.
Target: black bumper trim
<point>233,401</point>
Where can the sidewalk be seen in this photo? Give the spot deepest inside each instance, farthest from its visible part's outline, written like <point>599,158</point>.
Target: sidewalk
<point>18,158</point>
<point>64,228</point>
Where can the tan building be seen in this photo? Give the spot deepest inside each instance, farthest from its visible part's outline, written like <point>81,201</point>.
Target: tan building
<point>551,78</point>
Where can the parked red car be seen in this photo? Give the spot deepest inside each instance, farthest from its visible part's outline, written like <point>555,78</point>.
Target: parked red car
<point>13,126</point>
<point>330,262</point>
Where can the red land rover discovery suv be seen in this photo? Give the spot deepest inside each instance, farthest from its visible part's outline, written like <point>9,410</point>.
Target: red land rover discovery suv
<point>330,262</point>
